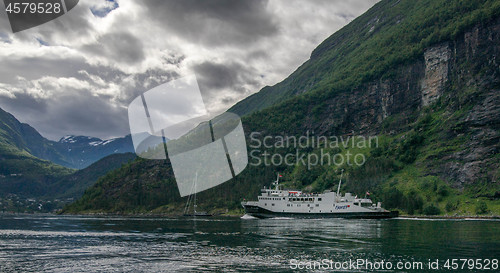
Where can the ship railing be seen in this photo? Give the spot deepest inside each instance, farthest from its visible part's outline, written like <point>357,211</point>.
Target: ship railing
<point>303,195</point>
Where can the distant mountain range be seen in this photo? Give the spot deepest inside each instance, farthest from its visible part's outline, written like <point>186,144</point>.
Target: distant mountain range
<point>81,151</point>
<point>34,167</point>
<point>76,152</point>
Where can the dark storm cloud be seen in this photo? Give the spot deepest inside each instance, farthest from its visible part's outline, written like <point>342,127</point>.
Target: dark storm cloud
<point>119,46</point>
<point>30,105</point>
<point>79,104</point>
<point>214,77</point>
<point>80,113</point>
<point>35,67</point>
<point>144,82</point>
<point>218,22</point>
<point>258,54</point>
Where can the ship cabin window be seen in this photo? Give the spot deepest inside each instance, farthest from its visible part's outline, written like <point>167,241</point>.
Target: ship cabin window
<point>272,204</point>
<point>308,205</point>
<point>302,199</point>
<point>365,205</point>
<point>311,199</point>
<point>319,199</point>
<point>265,204</point>
<point>356,204</point>
<point>283,198</point>
<point>317,205</point>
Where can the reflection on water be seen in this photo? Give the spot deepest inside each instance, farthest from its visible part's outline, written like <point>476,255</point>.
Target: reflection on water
<point>117,244</point>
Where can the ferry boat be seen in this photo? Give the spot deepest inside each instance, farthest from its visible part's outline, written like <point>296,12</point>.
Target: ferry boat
<point>275,202</point>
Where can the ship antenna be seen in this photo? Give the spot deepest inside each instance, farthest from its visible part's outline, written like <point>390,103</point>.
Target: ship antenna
<point>340,183</point>
<point>276,183</point>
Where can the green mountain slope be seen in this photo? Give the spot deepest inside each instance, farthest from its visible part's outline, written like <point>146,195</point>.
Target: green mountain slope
<point>26,138</point>
<point>74,185</point>
<point>421,76</point>
<point>21,173</point>
<point>25,175</point>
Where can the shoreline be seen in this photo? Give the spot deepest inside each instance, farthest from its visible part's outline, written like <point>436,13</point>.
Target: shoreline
<point>153,215</point>
<point>457,217</point>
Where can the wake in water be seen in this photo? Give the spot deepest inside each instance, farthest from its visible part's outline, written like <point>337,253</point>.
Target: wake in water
<point>248,217</point>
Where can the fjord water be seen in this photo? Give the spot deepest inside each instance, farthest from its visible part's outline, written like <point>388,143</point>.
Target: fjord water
<point>35,243</point>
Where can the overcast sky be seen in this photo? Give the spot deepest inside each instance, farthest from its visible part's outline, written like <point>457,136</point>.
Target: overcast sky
<point>77,74</point>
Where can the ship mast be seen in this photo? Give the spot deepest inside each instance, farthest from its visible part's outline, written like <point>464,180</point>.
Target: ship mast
<point>276,183</point>
<point>340,183</point>
<point>195,181</point>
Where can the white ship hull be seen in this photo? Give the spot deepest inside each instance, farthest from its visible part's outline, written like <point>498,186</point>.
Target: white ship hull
<point>289,203</point>
<point>260,212</point>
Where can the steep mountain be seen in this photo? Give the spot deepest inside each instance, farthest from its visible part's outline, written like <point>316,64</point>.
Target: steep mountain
<point>75,152</point>
<point>385,37</point>
<point>21,173</point>
<point>25,138</point>
<point>423,77</point>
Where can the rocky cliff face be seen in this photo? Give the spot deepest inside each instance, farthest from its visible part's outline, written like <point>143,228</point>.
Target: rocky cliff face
<point>475,70</point>
<point>436,73</point>
<point>464,74</point>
